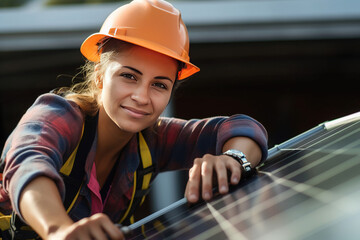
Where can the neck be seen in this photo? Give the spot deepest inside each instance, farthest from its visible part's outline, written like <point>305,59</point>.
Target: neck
<point>111,139</point>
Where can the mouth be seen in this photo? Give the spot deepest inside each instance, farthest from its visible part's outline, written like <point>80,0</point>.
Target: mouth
<point>135,113</point>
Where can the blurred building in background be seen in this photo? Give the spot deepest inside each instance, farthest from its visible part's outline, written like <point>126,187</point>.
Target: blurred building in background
<point>291,64</point>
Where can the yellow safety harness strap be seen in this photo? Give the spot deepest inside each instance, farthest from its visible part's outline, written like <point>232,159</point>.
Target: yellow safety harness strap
<point>4,222</point>
<point>142,180</point>
<point>73,174</point>
<point>146,161</point>
<point>131,200</point>
<point>68,165</point>
<point>73,171</point>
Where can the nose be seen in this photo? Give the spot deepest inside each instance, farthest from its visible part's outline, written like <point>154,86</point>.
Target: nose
<point>141,94</point>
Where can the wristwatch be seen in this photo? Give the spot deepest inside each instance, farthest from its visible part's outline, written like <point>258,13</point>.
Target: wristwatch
<point>241,158</point>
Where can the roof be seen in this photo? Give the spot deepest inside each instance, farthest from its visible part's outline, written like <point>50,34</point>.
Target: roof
<point>35,26</point>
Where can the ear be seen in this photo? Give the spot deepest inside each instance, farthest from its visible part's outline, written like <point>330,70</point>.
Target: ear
<point>98,77</point>
<point>99,82</point>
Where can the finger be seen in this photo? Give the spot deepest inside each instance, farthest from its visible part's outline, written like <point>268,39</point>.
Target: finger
<point>125,230</point>
<point>221,174</point>
<point>103,228</point>
<point>97,232</point>
<point>113,232</point>
<point>192,186</point>
<point>235,169</point>
<point>207,170</point>
<point>79,231</point>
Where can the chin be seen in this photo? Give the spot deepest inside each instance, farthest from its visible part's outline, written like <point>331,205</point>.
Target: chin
<point>134,125</point>
<point>131,128</point>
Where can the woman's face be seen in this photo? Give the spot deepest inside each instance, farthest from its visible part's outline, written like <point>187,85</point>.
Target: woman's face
<point>136,87</point>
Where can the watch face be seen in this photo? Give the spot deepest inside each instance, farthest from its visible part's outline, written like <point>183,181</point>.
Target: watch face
<point>241,158</point>
<point>236,153</point>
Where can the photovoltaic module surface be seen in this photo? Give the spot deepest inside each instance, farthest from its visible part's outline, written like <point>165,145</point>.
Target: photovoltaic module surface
<point>308,188</point>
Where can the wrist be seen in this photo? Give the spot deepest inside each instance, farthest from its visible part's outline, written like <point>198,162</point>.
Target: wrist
<point>53,231</point>
<point>240,157</point>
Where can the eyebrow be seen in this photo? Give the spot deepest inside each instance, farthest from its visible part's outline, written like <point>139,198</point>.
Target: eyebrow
<point>139,72</point>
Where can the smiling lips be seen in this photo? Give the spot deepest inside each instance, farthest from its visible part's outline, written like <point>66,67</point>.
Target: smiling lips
<point>135,113</point>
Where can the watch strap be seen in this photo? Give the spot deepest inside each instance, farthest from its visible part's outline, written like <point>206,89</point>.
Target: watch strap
<point>239,156</point>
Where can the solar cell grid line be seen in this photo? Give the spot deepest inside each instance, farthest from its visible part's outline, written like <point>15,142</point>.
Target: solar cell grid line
<point>310,164</point>
<point>350,131</point>
<point>198,214</point>
<point>272,202</point>
<point>173,219</point>
<point>342,167</point>
<point>245,219</point>
<point>308,187</point>
<point>225,206</point>
<point>194,224</point>
<point>296,151</point>
<point>323,136</point>
<point>308,191</point>
<point>247,196</point>
<point>328,217</point>
<point>173,223</point>
<point>313,134</point>
<point>228,228</point>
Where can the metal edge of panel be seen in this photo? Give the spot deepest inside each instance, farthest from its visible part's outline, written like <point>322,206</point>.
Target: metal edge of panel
<point>277,149</point>
<point>342,120</point>
<point>272,153</point>
<point>157,214</point>
<point>328,125</point>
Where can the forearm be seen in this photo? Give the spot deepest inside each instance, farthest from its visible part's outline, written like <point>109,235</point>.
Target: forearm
<point>249,147</point>
<point>42,208</point>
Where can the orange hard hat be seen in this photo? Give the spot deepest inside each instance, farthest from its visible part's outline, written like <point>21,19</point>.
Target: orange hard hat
<point>153,24</point>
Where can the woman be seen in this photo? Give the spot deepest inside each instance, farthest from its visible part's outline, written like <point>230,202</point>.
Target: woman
<point>135,62</point>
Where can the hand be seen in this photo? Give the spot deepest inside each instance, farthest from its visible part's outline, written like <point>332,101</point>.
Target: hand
<point>98,227</point>
<point>201,176</point>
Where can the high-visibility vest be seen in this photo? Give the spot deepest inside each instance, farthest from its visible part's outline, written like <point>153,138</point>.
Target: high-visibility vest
<point>73,174</point>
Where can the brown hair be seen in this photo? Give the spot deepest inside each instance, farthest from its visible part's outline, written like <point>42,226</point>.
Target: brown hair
<point>86,93</point>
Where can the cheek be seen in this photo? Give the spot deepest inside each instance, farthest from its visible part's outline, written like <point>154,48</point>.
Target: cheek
<point>162,102</point>
<point>107,96</point>
<point>110,90</point>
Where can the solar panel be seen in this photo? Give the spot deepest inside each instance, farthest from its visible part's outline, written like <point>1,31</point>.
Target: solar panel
<point>308,188</point>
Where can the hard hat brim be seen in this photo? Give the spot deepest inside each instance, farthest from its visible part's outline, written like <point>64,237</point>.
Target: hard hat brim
<point>89,49</point>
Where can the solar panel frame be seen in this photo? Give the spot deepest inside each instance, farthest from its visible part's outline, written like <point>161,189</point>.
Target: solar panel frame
<point>308,188</point>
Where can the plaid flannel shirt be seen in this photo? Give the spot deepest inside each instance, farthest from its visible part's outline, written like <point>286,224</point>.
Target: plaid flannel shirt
<point>50,130</point>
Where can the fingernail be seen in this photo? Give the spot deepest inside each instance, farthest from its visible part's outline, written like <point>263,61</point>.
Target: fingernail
<point>235,180</point>
<point>223,189</point>
<point>192,198</point>
<point>207,195</point>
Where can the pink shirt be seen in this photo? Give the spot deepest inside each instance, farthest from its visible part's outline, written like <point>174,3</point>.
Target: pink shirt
<point>96,201</point>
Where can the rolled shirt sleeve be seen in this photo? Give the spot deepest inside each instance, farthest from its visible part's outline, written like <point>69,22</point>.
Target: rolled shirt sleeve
<point>48,132</point>
<point>244,126</point>
<point>178,142</point>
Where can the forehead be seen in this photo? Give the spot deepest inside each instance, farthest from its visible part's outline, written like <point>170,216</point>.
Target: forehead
<point>145,59</point>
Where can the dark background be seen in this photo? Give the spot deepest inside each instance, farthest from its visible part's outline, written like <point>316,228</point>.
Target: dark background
<point>290,64</point>
<point>289,86</point>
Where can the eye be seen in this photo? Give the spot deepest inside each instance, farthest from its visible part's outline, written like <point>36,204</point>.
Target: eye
<point>128,75</point>
<point>160,85</point>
